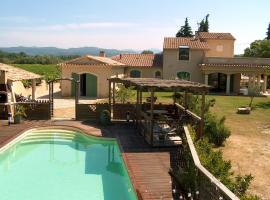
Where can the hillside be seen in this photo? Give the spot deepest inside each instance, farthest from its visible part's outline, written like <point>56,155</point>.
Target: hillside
<point>64,52</point>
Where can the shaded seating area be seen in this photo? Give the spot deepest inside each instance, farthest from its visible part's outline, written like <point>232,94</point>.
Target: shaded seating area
<point>158,123</point>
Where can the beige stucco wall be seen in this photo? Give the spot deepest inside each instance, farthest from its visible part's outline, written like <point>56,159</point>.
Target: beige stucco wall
<point>102,73</point>
<point>145,72</point>
<point>172,64</point>
<point>227,48</point>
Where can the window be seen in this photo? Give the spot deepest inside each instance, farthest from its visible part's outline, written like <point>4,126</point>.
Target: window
<point>157,74</point>
<point>184,75</point>
<point>135,74</point>
<point>183,53</point>
<point>219,48</point>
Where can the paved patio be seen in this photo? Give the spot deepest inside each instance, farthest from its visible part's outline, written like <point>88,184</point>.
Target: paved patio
<point>147,167</point>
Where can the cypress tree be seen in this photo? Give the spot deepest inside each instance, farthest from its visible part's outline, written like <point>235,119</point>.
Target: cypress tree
<point>204,25</point>
<point>185,30</point>
<point>268,33</point>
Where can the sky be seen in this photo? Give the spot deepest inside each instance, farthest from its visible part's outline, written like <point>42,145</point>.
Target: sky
<point>125,24</point>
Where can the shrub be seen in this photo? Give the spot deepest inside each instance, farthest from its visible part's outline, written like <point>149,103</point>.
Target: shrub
<point>105,117</point>
<point>241,184</point>
<point>215,129</point>
<point>252,92</point>
<point>123,94</point>
<point>213,161</point>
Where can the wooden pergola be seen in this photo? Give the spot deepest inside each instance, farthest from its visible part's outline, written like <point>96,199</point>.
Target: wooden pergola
<point>152,84</point>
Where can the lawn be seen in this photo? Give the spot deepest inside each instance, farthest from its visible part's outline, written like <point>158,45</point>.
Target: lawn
<point>248,146</point>
<point>48,71</point>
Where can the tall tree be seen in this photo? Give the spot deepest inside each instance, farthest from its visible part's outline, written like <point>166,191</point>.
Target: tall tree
<point>258,48</point>
<point>185,30</point>
<point>204,24</point>
<point>268,33</point>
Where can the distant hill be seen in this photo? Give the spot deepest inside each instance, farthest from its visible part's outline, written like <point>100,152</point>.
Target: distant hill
<point>64,52</point>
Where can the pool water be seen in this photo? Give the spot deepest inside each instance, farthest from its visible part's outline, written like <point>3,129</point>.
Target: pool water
<point>63,165</point>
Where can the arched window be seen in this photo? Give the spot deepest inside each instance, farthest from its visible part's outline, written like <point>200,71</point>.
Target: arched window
<point>135,73</point>
<point>184,75</point>
<point>157,74</point>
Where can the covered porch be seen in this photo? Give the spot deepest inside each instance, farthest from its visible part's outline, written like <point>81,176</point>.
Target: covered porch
<point>232,75</point>
<point>9,75</point>
<point>158,123</point>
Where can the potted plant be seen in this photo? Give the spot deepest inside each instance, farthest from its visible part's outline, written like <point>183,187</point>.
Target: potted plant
<point>105,118</point>
<point>19,114</point>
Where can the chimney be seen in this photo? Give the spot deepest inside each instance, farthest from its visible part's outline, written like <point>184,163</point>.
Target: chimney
<point>3,77</point>
<point>102,54</point>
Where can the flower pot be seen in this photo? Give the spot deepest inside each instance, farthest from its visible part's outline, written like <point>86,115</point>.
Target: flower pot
<point>17,119</point>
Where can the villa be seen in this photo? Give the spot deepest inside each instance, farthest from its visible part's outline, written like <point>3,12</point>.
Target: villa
<point>205,58</point>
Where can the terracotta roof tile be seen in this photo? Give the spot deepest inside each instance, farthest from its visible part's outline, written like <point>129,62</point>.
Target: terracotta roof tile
<point>17,74</point>
<point>93,60</point>
<point>220,36</point>
<point>192,43</point>
<point>140,60</point>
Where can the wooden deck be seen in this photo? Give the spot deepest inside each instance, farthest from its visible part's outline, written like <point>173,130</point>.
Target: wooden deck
<point>148,167</point>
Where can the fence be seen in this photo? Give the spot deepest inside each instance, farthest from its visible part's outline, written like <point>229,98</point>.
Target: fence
<point>90,111</point>
<point>37,110</point>
<point>205,185</point>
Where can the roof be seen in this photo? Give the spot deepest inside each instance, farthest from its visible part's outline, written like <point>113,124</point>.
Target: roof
<point>219,36</point>
<point>17,74</point>
<point>192,43</point>
<point>236,64</point>
<point>162,83</point>
<point>140,60</point>
<point>93,60</point>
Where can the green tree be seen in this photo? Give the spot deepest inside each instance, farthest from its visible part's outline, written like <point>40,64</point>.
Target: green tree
<point>258,48</point>
<point>268,33</point>
<point>253,91</point>
<point>185,30</point>
<point>204,24</point>
<point>123,93</point>
<point>147,52</point>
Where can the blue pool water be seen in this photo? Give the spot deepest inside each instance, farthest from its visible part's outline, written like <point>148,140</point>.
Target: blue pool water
<point>63,165</point>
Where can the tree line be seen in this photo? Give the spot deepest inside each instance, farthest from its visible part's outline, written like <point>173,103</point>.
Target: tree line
<point>23,58</point>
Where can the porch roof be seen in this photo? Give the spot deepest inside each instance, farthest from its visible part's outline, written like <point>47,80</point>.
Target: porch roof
<point>17,74</point>
<point>92,61</point>
<point>162,83</point>
<point>236,65</point>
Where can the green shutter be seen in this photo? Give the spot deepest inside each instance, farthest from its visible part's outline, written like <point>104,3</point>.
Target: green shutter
<point>91,85</point>
<point>184,75</point>
<point>76,77</point>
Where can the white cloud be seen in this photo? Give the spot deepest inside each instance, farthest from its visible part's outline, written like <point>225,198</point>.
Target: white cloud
<point>80,26</point>
<point>20,19</point>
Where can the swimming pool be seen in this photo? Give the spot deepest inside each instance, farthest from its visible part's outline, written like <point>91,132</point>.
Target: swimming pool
<point>56,164</point>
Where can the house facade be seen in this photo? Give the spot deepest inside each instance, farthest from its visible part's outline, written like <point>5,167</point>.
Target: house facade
<point>206,58</point>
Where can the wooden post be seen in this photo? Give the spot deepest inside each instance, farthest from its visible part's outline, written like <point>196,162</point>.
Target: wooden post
<point>113,93</point>
<point>77,88</point>
<point>185,100</point>
<point>152,116</point>
<point>110,100</point>
<point>52,98</point>
<point>33,89</point>
<point>137,106</point>
<point>202,115</point>
<point>174,99</point>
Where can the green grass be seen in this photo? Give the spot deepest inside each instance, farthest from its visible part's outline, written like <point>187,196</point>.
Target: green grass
<point>48,71</point>
<point>227,106</point>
